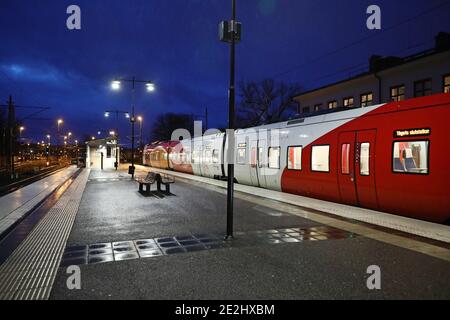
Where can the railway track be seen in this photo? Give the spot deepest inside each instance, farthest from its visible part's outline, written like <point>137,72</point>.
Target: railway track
<point>4,190</point>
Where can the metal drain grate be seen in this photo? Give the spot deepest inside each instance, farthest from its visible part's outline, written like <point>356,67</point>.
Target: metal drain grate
<point>147,248</point>
<point>29,272</point>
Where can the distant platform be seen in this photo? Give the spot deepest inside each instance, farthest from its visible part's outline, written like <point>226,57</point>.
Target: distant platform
<point>14,206</point>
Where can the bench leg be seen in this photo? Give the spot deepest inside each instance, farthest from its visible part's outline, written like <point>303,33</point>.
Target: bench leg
<point>141,187</point>
<point>158,186</point>
<point>148,189</point>
<point>168,188</point>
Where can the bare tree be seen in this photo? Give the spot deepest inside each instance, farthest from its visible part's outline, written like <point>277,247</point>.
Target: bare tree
<point>265,102</point>
<point>165,124</point>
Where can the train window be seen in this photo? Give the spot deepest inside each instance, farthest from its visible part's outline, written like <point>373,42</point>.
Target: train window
<point>241,155</point>
<point>215,156</point>
<point>411,157</point>
<point>345,160</point>
<point>261,159</point>
<point>274,157</point>
<point>295,158</point>
<point>320,158</point>
<point>253,157</point>
<point>364,159</point>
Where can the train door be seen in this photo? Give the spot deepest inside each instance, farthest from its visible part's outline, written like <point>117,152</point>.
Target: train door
<point>346,169</point>
<point>365,168</point>
<point>356,175</point>
<point>262,162</point>
<point>254,163</point>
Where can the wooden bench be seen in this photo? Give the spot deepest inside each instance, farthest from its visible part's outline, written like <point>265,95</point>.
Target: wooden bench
<point>165,180</point>
<point>147,182</point>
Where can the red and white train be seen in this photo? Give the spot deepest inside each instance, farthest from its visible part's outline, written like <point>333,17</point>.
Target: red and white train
<point>391,157</point>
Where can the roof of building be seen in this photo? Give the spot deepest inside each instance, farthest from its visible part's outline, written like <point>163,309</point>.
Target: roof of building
<point>378,63</point>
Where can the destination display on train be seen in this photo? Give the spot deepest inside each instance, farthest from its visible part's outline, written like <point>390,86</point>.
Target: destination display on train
<point>412,132</point>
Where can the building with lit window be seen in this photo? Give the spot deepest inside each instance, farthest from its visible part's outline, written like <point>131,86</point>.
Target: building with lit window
<point>388,79</point>
<point>102,154</point>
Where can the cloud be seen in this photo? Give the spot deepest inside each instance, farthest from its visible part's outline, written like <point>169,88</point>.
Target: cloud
<point>42,73</point>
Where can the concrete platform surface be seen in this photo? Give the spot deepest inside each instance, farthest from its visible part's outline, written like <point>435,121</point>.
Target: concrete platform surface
<point>113,213</point>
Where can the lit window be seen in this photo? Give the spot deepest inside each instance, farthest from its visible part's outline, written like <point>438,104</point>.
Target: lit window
<point>398,93</point>
<point>366,99</point>
<point>349,102</point>
<point>345,162</point>
<point>422,88</point>
<point>320,158</point>
<point>295,158</point>
<point>274,157</point>
<point>411,157</point>
<point>261,158</point>
<point>332,105</point>
<point>446,84</point>
<point>215,156</point>
<point>241,156</point>
<point>364,159</point>
<point>253,157</point>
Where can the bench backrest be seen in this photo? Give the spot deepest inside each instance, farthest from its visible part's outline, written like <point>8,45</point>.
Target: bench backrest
<point>150,176</point>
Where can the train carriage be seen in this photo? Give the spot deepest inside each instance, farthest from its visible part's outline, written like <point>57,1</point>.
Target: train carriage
<point>390,157</point>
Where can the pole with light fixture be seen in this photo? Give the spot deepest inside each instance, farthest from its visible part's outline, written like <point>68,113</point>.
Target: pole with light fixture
<point>117,113</point>
<point>150,88</point>
<point>230,32</point>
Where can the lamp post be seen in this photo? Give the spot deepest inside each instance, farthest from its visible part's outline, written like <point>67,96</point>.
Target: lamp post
<point>150,88</point>
<point>48,148</point>
<point>140,119</point>
<point>116,133</point>
<point>230,32</point>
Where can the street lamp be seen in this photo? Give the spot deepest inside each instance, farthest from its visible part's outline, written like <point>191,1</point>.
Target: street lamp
<point>20,131</point>
<point>140,119</point>
<point>150,88</point>
<point>60,122</point>
<point>115,85</point>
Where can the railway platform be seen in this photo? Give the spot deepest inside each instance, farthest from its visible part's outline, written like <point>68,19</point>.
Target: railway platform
<point>16,205</point>
<point>129,245</point>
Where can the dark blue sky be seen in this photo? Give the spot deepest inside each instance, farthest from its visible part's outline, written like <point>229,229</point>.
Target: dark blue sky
<point>175,44</point>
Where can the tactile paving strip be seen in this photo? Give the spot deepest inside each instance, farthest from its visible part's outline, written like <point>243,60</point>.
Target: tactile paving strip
<point>148,248</point>
<point>29,272</point>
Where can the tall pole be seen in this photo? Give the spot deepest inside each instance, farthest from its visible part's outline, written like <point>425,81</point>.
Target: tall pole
<point>140,133</point>
<point>117,141</point>
<point>230,182</point>
<point>132,130</point>
<point>206,118</point>
<point>11,125</point>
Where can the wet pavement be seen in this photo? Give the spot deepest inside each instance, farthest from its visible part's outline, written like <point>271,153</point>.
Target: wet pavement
<point>133,246</point>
